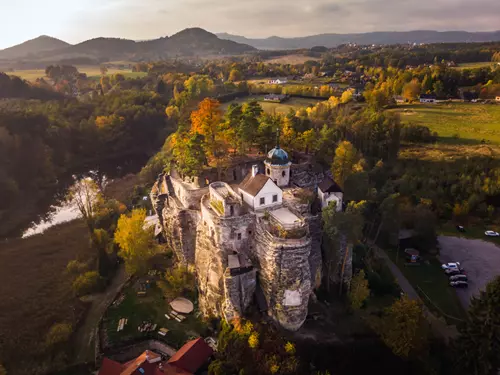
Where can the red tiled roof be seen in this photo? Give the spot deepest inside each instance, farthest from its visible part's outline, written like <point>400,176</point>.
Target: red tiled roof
<point>192,355</point>
<point>172,370</point>
<point>110,367</point>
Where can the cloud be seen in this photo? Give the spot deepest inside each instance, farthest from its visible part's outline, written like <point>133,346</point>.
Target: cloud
<point>146,19</point>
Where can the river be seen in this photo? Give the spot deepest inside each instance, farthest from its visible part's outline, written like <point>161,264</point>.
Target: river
<point>57,209</point>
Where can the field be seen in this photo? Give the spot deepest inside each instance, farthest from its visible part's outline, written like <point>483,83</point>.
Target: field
<point>456,123</point>
<point>474,65</point>
<point>431,283</point>
<point>270,107</point>
<point>34,290</point>
<point>151,308</point>
<point>291,59</point>
<point>90,71</point>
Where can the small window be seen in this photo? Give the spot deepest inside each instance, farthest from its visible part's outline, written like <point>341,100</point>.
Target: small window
<point>283,173</point>
<point>268,172</point>
<point>275,198</point>
<point>239,236</point>
<point>262,201</point>
<point>231,210</point>
<point>234,175</point>
<point>241,196</point>
<point>250,232</point>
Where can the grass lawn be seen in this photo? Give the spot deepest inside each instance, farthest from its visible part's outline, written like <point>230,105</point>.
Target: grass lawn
<point>430,278</point>
<point>473,231</point>
<point>93,72</point>
<point>270,107</point>
<point>456,123</point>
<point>474,65</point>
<point>150,308</point>
<point>292,59</point>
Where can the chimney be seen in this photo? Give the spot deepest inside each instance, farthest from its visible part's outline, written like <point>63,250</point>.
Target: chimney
<point>255,170</point>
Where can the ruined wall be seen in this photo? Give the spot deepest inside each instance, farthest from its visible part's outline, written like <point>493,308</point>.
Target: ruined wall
<point>238,293</point>
<point>190,198</point>
<point>284,276</point>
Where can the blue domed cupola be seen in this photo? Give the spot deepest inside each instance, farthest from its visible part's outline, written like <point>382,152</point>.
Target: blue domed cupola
<point>278,164</point>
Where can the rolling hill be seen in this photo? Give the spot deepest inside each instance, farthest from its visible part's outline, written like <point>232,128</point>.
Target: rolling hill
<point>33,46</point>
<point>389,37</point>
<point>188,42</point>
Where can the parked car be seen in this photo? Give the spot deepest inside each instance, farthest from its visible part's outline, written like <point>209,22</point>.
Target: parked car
<point>458,278</point>
<point>460,228</point>
<point>454,265</point>
<point>453,271</point>
<point>459,284</point>
<point>491,233</point>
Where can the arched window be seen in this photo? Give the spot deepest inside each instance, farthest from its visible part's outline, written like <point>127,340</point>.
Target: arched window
<point>268,172</point>
<point>283,173</point>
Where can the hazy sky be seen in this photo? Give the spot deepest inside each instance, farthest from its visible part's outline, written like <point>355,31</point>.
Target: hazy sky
<point>78,20</point>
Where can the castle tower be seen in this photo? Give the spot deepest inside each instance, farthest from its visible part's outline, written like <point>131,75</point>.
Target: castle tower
<point>278,165</point>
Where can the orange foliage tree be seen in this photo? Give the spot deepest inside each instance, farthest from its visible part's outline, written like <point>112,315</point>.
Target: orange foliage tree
<point>207,122</point>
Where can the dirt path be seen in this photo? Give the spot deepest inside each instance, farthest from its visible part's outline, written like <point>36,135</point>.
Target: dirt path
<point>445,331</point>
<point>85,335</point>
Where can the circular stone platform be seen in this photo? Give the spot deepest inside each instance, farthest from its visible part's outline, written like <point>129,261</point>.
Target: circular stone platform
<point>182,305</point>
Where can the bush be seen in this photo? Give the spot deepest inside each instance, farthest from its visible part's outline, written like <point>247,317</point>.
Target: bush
<point>75,267</point>
<point>87,283</point>
<point>417,134</point>
<point>58,334</point>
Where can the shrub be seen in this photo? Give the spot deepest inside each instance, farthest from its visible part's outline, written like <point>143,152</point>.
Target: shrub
<point>417,134</point>
<point>59,333</point>
<point>75,267</point>
<point>87,283</point>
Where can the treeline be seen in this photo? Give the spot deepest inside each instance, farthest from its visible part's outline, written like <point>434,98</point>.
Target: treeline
<point>41,141</point>
<point>15,87</point>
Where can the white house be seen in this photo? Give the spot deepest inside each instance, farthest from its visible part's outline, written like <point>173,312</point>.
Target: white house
<point>278,81</point>
<point>259,191</point>
<point>329,191</point>
<point>427,98</point>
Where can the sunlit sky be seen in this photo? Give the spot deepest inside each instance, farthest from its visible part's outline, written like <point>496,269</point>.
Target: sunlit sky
<point>78,20</point>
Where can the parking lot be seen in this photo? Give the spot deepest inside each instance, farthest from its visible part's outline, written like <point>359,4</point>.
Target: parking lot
<point>480,259</point>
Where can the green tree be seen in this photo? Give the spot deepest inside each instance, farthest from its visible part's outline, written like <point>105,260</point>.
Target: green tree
<point>478,346</point>
<point>190,154</point>
<point>136,243</point>
<point>403,328</point>
<point>359,290</point>
<point>58,334</point>
<point>178,281</point>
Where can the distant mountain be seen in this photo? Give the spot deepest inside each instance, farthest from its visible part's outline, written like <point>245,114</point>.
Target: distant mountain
<point>33,46</point>
<point>189,42</point>
<point>389,37</point>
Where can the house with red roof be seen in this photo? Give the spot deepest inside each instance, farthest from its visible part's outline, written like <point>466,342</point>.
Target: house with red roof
<point>188,359</point>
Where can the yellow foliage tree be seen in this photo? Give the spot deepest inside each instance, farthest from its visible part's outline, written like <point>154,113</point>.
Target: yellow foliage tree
<point>345,162</point>
<point>136,243</point>
<point>59,333</point>
<point>346,96</point>
<point>359,291</point>
<point>172,112</point>
<point>253,340</point>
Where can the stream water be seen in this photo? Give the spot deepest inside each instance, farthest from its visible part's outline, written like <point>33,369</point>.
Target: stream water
<point>59,210</point>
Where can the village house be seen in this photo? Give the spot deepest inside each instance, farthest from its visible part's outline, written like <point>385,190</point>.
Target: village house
<point>186,361</point>
<point>276,98</point>
<point>428,98</point>
<point>329,191</point>
<point>278,81</point>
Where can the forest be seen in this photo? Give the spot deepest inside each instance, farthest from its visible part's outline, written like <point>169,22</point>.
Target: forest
<point>66,123</point>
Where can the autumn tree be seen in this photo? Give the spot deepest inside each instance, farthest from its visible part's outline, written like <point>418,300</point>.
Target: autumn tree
<point>172,112</point>
<point>87,283</point>
<point>346,162</point>
<point>178,281</point>
<point>347,96</point>
<point>136,243</point>
<point>411,90</point>
<point>207,122</point>
<point>189,154</point>
<point>478,346</point>
<point>359,290</point>
<point>235,75</point>
<point>403,328</point>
